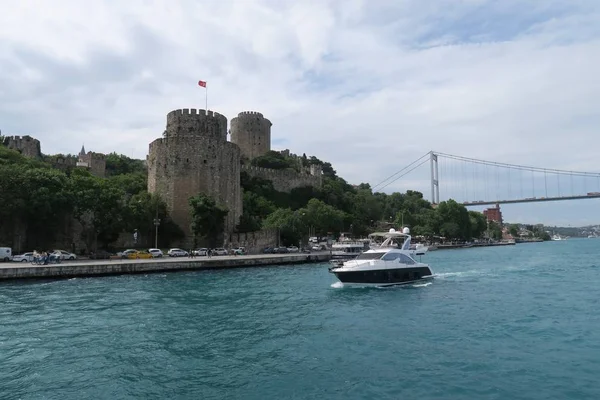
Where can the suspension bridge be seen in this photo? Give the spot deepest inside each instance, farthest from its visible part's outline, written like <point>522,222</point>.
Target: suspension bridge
<point>475,182</point>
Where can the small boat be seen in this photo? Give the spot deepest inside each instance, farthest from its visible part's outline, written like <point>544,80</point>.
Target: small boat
<point>384,265</point>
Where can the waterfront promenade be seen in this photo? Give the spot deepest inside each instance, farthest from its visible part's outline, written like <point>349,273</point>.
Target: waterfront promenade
<point>70,269</point>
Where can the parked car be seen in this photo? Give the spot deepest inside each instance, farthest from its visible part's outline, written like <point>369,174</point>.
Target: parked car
<point>100,255</point>
<point>268,250</point>
<point>219,252</point>
<point>156,253</point>
<point>126,253</point>
<point>293,249</point>
<point>139,255</point>
<point>64,255</point>
<point>25,257</point>
<point>201,252</point>
<point>239,251</point>
<point>5,254</point>
<point>280,250</point>
<point>177,253</point>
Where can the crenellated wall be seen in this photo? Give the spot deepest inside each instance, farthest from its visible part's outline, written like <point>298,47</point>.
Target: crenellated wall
<point>94,162</point>
<point>199,123</point>
<point>284,180</point>
<point>194,157</point>
<point>26,145</point>
<point>252,133</point>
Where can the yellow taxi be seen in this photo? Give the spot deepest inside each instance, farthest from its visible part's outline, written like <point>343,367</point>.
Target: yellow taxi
<point>137,255</point>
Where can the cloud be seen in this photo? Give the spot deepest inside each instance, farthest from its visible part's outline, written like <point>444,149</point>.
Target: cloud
<point>368,86</point>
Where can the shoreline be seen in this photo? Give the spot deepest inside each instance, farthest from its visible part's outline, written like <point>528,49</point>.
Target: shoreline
<point>72,269</point>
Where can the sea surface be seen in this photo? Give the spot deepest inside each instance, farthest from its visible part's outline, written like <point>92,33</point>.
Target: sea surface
<point>514,322</point>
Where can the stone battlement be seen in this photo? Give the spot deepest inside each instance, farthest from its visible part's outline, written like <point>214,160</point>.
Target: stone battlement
<point>250,113</point>
<point>196,122</point>
<point>193,111</point>
<point>284,180</point>
<point>25,145</point>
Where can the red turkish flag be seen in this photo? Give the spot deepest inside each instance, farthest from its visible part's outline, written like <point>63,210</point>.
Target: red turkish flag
<point>202,83</point>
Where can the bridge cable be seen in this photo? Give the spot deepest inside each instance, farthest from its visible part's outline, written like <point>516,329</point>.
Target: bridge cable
<point>509,184</point>
<point>391,176</point>
<point>523,167</point>
<point>404,174</point>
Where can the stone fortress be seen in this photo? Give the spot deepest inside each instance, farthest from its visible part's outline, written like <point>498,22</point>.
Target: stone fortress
<point>194,156</point>
<point>30,147</point>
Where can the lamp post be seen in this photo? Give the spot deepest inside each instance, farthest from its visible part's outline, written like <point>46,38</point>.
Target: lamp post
<point>156,224</point>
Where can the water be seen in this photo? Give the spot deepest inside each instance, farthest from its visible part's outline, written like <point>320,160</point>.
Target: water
<point>515,322</point>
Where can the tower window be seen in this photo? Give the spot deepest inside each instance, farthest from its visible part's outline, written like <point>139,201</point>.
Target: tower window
<point>204,161</point>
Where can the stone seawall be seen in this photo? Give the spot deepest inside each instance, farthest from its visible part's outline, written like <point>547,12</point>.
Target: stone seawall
<point>121,267</point>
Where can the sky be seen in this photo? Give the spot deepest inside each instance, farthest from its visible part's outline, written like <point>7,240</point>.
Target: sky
<point>369,86</point>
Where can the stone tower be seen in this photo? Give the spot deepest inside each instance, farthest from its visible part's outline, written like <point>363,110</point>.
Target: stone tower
<point>193,157</point>
<point>93,162</point>
<point>26,145</point>
<point>252,133</point>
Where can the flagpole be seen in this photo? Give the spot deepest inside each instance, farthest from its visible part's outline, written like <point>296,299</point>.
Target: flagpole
<point>206,99</point>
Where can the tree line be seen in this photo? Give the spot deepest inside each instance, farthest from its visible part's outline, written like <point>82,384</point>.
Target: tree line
<point>39,200</point>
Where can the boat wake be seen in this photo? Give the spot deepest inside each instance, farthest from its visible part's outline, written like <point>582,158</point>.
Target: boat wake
<point>340,285</point>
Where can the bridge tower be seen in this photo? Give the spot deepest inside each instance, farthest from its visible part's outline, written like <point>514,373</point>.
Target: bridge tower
<point>435,184</point>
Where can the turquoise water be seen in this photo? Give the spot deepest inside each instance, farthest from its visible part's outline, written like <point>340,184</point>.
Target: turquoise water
<point>516,322</point>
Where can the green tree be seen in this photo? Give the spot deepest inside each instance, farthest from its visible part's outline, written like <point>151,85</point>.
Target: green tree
<point>494,230</point>
<point>208,219</point>
<point>256,209</point>
<point>478,224</point>
<point>272,160</point>
<point>288,224</point>
<point>99,208</point>
<point>118,164</point>
<point>321,216</point>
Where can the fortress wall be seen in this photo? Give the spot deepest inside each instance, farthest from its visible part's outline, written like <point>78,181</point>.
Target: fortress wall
<point>25,145</point>
<point>254,242</point>
<point>284,180</point>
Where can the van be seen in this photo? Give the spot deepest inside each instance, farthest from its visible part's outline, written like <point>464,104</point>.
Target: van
<point>5,254</point>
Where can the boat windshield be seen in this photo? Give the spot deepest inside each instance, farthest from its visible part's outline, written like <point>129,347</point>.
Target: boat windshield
<point>370,256</point>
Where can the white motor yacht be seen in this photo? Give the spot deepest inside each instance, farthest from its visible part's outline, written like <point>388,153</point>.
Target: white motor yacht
<point>346,248</point>
<point>384,265</point>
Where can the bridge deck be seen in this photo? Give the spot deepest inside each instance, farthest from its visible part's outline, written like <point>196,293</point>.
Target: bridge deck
<point>529,200</point>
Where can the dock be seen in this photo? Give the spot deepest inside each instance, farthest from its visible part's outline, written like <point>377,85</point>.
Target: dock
<point>89,268</point>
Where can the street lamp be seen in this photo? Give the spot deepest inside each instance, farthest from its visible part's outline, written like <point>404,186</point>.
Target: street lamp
<point>156,224</point>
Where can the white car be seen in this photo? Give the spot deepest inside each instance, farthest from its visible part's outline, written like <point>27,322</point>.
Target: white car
<point>293,249</point>
<point>64,255</point>
<point>156,253</point>
<point>219,252</point>
<point>126,253</point>
<point>25,257</point>
<point>177,253</point>
<point>201,252</point>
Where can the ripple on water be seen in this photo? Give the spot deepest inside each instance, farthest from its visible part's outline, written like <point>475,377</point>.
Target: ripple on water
<point>494,324</point>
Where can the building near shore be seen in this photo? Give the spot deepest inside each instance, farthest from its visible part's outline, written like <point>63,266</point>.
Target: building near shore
<point>493,214</point>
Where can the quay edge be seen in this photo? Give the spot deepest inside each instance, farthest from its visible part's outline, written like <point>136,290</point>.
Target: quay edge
<point>124,267</point>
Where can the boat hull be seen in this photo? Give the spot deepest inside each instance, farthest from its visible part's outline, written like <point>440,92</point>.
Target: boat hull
<point>383,277</point>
